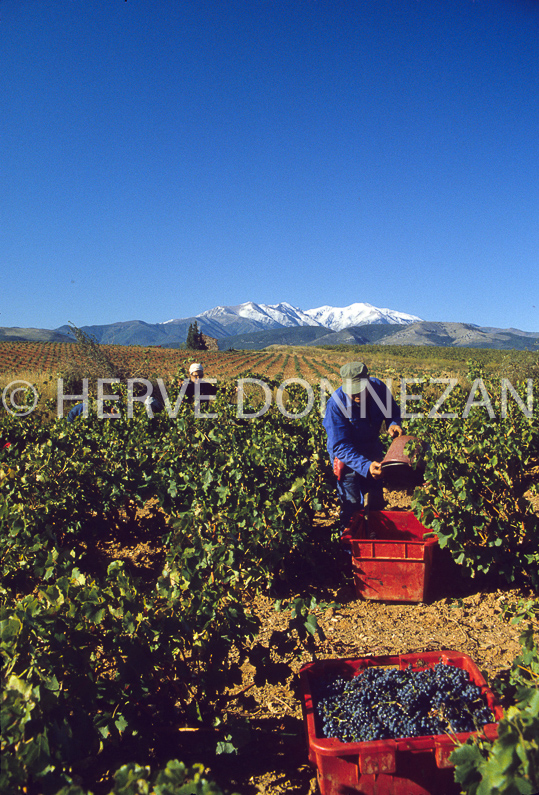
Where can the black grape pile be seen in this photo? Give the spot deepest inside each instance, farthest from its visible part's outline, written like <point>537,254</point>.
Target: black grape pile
<point>381,703</point>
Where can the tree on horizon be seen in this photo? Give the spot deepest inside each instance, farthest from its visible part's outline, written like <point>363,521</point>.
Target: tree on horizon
<point>194,341</point>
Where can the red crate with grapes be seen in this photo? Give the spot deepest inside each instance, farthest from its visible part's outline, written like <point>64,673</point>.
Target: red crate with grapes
<point>388,725</point>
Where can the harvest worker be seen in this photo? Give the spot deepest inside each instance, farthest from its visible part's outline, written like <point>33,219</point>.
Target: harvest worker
<point>197,387</point>
<point>153,405</point>
<point>78,411</point>
<point>353,420</point>
<point>75,412</point>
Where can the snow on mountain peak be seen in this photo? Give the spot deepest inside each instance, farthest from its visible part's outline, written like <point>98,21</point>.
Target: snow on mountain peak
<point>338,318</point>
<point>267,315</point>
<point>234,319</point>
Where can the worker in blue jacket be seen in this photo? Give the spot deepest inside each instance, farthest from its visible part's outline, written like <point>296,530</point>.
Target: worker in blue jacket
<point>353,420</point>
<point>75,412</point>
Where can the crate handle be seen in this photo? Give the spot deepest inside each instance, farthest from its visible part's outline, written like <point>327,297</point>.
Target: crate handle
<point>381,761</point>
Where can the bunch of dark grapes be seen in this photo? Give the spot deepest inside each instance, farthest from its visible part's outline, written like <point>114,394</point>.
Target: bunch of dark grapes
<point>381,703</point>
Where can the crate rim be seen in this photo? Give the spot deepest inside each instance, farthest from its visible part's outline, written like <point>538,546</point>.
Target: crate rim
<point>331,746</point>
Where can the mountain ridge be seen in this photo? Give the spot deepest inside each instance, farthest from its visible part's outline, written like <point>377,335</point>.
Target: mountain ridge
<point>284,314</point>
<point>256,325</point>
<point>225,321</point>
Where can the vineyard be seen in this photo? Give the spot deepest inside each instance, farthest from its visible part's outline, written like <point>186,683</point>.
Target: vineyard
<point>52,357</point>
<point>164,578</point>
<point>278,362</point>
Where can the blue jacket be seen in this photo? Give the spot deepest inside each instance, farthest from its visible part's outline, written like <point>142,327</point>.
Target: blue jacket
<point>75,412</point>
<point>355,439</point>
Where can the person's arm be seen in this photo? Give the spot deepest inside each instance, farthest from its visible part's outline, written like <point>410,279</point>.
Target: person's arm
<point>341,437</point>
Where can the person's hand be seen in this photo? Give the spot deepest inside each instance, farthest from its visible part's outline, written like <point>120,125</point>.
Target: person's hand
<point>394,431</point>
<point>375,469</point>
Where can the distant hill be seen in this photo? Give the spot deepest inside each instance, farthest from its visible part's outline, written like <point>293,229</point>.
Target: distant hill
<point>256,340</point>
<point>462,335</point>
<point>137,332</point>
<point>33,335</point>
<point>425,333</point>
<point>309,335</point>
<point>369,334</point>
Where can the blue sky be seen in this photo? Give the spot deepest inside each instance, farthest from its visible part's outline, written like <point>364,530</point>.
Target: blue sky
<point>162,157</point>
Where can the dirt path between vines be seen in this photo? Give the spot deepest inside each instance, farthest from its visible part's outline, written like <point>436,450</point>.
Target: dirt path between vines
<point>458,614</point>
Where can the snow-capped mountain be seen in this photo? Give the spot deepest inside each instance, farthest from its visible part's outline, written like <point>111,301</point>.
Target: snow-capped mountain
<point>226,321</point>
<point>265,315</point>
<point>251,316</point>
<point>337,318</point>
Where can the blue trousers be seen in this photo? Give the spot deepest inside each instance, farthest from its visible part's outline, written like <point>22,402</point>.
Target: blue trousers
<point>351,490</point>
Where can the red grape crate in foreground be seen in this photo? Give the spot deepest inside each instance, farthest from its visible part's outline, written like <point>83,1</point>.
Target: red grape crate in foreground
<point>393,698</point>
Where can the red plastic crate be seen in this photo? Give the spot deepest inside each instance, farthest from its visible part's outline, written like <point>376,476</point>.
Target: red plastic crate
<point>402,766</point>
<point>396,564</point>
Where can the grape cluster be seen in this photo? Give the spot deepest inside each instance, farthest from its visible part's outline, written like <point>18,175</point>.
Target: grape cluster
<point>381,703</point>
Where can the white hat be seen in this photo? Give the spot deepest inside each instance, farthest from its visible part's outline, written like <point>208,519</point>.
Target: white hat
<point>195,368</point>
